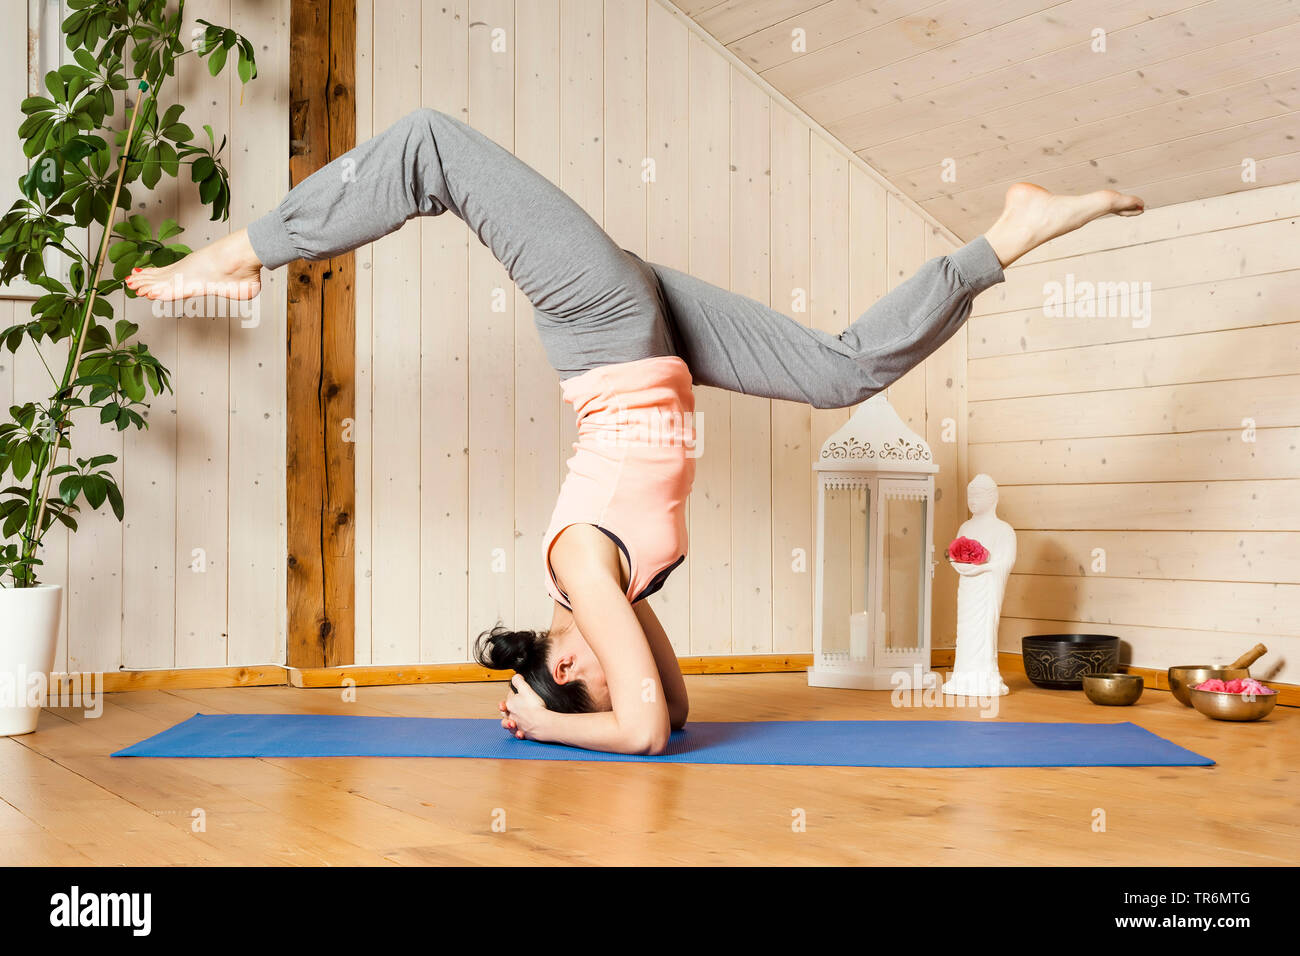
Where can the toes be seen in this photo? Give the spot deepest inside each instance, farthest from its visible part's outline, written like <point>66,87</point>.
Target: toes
<point>1121,202</point>
<point>140,280</point>
<point>1129,206</point>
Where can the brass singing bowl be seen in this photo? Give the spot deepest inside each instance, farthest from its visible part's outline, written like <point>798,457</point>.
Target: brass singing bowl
<point>1112,690</point>
<point>1222,705</point>
<point>1183,679</point>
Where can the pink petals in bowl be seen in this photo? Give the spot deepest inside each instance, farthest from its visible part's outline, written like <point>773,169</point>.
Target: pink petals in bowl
<point>1238,699</point>
<point>1246,686</point>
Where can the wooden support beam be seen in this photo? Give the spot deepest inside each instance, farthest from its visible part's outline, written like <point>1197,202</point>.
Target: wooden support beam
<point>322,352</point>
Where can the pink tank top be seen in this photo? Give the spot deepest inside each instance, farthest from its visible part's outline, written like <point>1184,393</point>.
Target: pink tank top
<point>632,467</point>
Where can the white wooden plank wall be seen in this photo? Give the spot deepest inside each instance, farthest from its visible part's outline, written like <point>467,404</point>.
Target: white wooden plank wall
<point>684,158</point>
<point>195,574</point>
<point>1105,437</point>
<point>1166,446</point>
<point>461,435</point>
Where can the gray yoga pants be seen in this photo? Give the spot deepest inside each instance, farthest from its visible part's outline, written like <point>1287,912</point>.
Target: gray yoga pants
<point>596,304</point>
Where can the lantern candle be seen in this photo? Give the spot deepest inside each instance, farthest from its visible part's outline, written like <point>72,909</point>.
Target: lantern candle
<point>875,525</point>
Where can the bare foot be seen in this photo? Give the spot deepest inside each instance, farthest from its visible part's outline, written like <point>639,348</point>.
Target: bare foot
<point>227,268</point>
<point>1032,216</point>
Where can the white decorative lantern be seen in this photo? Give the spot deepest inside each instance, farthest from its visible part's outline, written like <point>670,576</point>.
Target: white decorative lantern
<point>875,553</point>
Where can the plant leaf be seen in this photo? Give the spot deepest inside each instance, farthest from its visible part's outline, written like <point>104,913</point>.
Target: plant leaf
<point>95,489</point>
<point>69,488</point>
<point>216,60</point>
<point>115,500</point>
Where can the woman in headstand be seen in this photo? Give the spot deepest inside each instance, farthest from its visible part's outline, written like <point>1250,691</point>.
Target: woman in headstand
<point>628,338</point>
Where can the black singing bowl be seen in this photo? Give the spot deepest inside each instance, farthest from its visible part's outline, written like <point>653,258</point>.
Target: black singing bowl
<point>1060,661</point>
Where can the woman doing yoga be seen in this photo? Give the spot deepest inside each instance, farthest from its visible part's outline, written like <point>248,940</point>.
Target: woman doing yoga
<point>629,339</point>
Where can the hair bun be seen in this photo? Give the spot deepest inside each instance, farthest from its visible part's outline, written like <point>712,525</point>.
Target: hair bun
<point>505,650</point>
<point>526,653</point>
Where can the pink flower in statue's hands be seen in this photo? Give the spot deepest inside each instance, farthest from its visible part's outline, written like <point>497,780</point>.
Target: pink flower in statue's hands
<point>967,551</point>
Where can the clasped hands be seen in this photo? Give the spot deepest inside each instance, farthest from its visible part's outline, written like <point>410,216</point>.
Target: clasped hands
<point>523,713</point>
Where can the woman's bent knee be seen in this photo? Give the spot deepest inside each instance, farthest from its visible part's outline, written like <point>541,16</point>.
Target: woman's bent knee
<point>845,383</point>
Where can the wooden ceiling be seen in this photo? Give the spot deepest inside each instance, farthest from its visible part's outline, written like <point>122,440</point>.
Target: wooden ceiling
<point>1187,100</point>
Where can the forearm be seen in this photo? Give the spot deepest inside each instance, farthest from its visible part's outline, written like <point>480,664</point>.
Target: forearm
<point>670,676</point>
<point>679,708</point>
<point>596,731</point>
<point>670,671</point>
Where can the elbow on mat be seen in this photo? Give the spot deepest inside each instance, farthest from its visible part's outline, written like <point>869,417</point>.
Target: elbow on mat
<point>649,741</point>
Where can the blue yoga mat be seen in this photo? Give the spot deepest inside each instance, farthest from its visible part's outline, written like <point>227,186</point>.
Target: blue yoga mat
<point>816,743</point>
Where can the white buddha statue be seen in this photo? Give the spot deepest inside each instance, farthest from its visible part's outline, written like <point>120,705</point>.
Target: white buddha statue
<point>979,595</point>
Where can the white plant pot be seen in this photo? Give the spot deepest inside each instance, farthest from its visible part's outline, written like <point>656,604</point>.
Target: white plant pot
<point>29,635</point>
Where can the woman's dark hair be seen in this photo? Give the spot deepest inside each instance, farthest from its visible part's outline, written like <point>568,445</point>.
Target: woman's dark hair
<point>525,652</point>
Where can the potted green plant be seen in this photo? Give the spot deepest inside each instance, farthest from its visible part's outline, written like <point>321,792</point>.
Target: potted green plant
<point>85,156</point>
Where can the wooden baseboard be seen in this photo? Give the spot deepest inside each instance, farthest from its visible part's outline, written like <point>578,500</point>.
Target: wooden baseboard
<point>747,664</point>
<point>270,675</point>
<point>379,674</point>
<point>191,678</point>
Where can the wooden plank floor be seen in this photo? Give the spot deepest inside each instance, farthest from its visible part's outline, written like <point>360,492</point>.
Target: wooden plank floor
<point>64,801</point>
